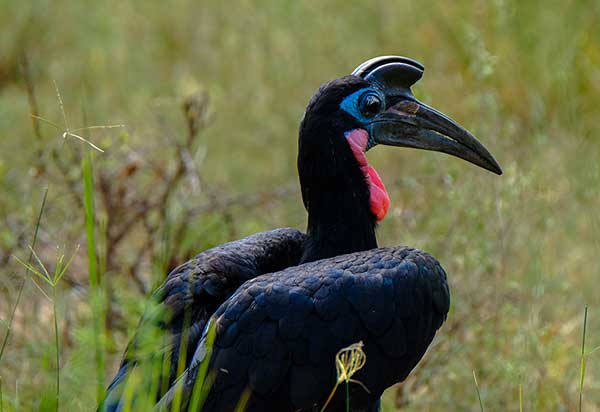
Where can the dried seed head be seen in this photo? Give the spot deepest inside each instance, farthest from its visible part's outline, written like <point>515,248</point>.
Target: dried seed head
<point>349,360</point>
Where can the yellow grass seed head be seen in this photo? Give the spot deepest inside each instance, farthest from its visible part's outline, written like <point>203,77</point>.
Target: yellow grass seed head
<point>349,360</point>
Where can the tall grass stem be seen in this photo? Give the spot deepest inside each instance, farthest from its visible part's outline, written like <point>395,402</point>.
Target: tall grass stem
<point>520,397</point>
<point>95,289</point>
<point>204,379</point>
<point>57,344</point>
<point>478,392</point>
<point>582,364</point>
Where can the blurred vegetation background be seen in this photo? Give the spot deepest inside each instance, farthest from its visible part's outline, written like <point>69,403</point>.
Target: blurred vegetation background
<point>210,95</point>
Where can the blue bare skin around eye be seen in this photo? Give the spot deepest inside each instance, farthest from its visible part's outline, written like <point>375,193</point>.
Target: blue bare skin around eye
<point>350,103</point>
<point>350,106</point>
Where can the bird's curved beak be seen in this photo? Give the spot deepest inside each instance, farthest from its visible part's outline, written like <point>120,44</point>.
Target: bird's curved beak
<point>410,123</point>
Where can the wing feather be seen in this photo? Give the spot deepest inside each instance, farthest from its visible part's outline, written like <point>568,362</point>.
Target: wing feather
<point>182,305</point>
<point>392,299</point>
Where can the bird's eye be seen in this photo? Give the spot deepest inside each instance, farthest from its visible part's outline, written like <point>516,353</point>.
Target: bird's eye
<point>369,105</point>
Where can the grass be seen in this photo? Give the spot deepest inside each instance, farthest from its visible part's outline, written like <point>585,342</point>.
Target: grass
<point>478,392</point>
<point>583,360</point>
<point>520,250</point>
<point>24,281</point>
<point>95,289</point>
<point>204,380</point>
<point>43,274</point>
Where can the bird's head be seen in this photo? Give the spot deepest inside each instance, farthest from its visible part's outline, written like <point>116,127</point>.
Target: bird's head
<point>373,106</point>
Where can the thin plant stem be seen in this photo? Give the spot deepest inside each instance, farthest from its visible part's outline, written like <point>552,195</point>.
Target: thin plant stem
<point>181,361</point>
<point>97,304</point>
<point>61,105</point>
<point>582,364</point>
<point>520,397</point>
<point>56,342</point>
<point>478,393</point>
<point>348,361</point>
<point>204,379</point>
<point>243,401</point>
<point>1,402</point>
<point>347,396</point>
<point>52,280</point>
<point>24,282</point>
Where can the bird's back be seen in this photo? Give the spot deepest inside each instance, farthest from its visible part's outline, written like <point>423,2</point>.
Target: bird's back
<point>278,334</point>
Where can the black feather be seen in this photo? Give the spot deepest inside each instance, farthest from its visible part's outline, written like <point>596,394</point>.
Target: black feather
<point>292,364</point>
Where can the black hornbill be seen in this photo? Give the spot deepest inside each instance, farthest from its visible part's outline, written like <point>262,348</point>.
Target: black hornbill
<point>283,303</point>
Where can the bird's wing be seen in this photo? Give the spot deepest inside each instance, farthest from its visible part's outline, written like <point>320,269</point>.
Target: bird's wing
<point>179,309</point>
<point>278,335</point>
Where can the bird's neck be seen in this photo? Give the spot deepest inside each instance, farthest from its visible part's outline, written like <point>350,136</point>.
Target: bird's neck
<point>339,222</point>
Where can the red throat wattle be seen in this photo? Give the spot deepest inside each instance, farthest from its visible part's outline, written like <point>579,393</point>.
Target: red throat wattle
<point>379,199</point>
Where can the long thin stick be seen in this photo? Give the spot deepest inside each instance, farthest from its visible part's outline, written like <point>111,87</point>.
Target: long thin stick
<point>23,283</point>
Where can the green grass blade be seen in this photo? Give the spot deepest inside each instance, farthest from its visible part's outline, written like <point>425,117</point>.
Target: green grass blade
<point>57,346</point>
<point>42,291</point>
<point>33,270</point>
<point>46,274</point>
<point>243,401</point>
<point>582,364</point>
<point>204,380</point>
<point>95,292</point>
<point>22,285</point>
<point>181,361</point>
<point>60,273</point>
<point>520,397</point>
<point>88,202</point>
<point>478,392</point>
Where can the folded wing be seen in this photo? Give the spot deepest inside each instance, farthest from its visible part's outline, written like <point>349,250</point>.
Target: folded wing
<point>172,325</point>
<point>278,334</point>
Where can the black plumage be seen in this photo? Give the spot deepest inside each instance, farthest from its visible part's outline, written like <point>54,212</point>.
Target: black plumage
<point>305,297</point>
<point>282,343</point>
<point>179,309</point>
